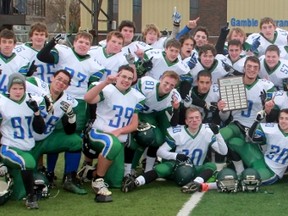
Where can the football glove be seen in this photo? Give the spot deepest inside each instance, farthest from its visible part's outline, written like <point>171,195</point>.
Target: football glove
<point>67,108</point>
<point>32,104</point>
<point>58,37</point>
<point>192,61</point>
<point>49,104</point>
<point>255,44</point>
<point>176,17</point>
<point>32,69</point>
<point>181,157</point>
<point>144,66</point>
<point>187,101</point>
<point>214,128</point>
<point>129,57</point>
<point>260,115</point>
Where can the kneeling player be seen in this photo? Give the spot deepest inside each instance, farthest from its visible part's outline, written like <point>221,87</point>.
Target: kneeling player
<point>191,143</point>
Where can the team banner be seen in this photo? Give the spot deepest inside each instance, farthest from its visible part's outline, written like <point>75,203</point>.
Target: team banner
<point>232,91</point>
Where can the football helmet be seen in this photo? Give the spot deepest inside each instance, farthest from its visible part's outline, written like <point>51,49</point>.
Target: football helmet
<point>183,173</point>
<point>145,135</point>
<point>250,180</point>
<point>227,180</point>
<point>6,184</point>
<point>41,185</point>
<point>86,147</point>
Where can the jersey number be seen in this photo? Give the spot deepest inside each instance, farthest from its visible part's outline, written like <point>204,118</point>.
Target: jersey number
<point>122,116</point>
<point>19,132</point>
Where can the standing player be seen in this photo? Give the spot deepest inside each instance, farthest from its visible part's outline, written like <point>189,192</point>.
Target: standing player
<point>81,66</point>
<point>184,143</point>
<point>20,115</point>
<point>269,34</point>
<point>38,35</point>
<point>111,56</point>
<point>166,60</point>
<point>117,116</point>
<point>10,62</point>
<point>273,68</point>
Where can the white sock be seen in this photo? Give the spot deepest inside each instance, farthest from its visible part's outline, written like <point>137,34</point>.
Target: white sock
<point>199,180</point>
<point>239,167</point>
<point>150,161</point>
<point>212,185</point>
<point>127,169</point>
<point>140,180</point>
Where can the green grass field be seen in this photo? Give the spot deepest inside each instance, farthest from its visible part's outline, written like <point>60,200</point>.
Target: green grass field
<point>158,198</point>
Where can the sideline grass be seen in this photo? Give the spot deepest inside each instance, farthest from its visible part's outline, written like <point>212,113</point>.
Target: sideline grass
<point>157,198</point>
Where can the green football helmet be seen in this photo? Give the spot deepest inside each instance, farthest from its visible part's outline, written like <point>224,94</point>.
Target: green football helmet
<point>184,172</point>
<point>6,184</point>
<point>145,135</point>
<point>41,184</point>
<point>250,180</point>
<point>227,181</point>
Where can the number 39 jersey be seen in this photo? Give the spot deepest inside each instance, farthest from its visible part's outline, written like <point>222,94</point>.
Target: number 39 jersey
<point>16,123</point>
<point>276,155</point>
<point>115,109</point>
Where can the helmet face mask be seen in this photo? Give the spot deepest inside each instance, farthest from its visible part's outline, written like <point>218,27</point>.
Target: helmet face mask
<point>227,181</point>
<point>183,173</point>
<point>145,135</point>
<point>6,184</point>
<point>250,180</point>
<point>41,185</point>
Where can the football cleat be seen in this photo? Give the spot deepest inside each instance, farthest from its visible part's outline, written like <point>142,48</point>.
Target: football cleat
<point>128,183</point>
<point>82,173</point>
<point>191,187</point>
<point>101,190</point>
<point>31,201</point>
<point>73,185</point>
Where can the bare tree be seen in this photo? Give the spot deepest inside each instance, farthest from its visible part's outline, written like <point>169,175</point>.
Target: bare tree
<point>56,19</point>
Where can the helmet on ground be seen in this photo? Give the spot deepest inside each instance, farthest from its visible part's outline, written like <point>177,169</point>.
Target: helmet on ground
<point>227,180</point>
<point>184,172</point>
<point>6,184</point>
<point>250,180</point>
<point>41,184</point>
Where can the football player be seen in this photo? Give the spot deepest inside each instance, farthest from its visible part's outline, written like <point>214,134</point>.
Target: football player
<point>117,116</point>
<point>256,92</point>
<point>273,68</point>
<point>38,35</point>
<point>55,138</point>
<point>10,62</point>
<point>274,160</point>
<point>17,123</point>
<point>184,143</point>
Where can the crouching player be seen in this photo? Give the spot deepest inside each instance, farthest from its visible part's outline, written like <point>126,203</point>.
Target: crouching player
<point>191,143</point>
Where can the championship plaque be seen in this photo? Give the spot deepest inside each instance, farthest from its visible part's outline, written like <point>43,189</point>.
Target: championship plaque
<point>232,91</point>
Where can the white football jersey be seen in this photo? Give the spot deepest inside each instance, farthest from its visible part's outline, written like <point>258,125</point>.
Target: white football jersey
<point>14,64</point>
<point>37,86</point>
<point>153,102</point>
<point>110,62</point>
<point>16,123</point>
<point>247,116</point>
<point>280,39</point>
<point>44,70</point>
<point>278,76</point>
<point>115,109</point>
<point>276,154</point>
<point>80,70</point>
<point>160,64</point>
<point>194,146</point>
